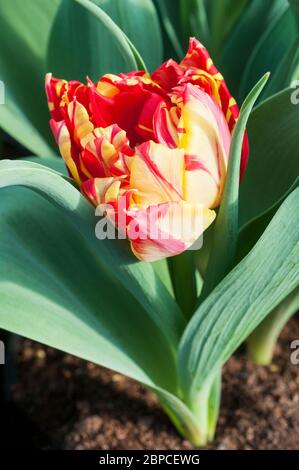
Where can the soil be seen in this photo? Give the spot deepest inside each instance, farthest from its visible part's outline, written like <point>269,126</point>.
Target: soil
<point>62,402</point>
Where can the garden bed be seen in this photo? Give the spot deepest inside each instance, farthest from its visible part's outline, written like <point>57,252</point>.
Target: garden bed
<point>61,402</point>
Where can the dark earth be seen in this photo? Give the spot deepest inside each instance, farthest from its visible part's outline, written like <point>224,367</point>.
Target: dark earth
<point>62,402</point>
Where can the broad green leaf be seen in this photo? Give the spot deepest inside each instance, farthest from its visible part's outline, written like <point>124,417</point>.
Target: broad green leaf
<point>199,23</point>
<point>161,269</point>
<point>2,138</point>
<point>225,232</point>
<point>58,165</point>
<point>295,66</point>
<point>194,21</point>
<point>171,21</point>
<point>239,46</point>
<point>25,27</point>
<point>234,11</point>
<point>114,253</point>
<point>65,288</point>
<point>251,232</point>
<point>283,76</point>
<point>295,7</point>
<point>270,49</point>
<point>268,274</point>
<point>112,27</point>
<point>139,20</point>
<point>55,293</point>
<point>60,287</point>
<point>54,163</point>
<point>92,44</point>
<point>273,160</point>
<point>223,15</point>
<point>14,121</point>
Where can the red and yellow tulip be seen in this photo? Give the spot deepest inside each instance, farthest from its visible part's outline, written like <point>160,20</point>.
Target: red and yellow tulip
<point>160,142</point>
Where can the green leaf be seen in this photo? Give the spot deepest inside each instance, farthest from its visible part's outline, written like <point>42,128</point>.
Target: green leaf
<point>25,28</point>
<point>182,273</point>
<point>66,196</point>
<point>85,41</point>
<point>162,271</point>
<point>75,292</point>
<point>182,417</point>
<point>273,161</point>
<point>57,164</point>
<point>54,163</point>
<point>223,15</point>
<point>241,301</point>
<point>251,232</point>
<point>239,46</point>
<point>90,298</point>
<point>225,232</point>
<point>270,49</point>
<point>139,21</point>
<point>199,26</point>
<point>202,255</point>
<point>194,21</point>
<point>261,342</point>
<point>283,76</point>
<point>172,25</point>
<point>295,7</point>
<point>15,122</point>
<point>214,405</point>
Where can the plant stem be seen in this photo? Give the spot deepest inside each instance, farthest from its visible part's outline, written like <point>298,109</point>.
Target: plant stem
<point>195,421</point>
<point>183,277</point>
<point>188,428</point>
<point>214,405</point>
<point>261,343</point>
<point>205,407</point>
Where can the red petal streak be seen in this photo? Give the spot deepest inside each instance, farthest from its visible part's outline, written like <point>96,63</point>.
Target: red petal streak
<point>144,151</point>
<point>165,127</point>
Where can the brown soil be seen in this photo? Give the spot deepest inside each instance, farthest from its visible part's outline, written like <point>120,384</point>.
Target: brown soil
<point>63,402</point>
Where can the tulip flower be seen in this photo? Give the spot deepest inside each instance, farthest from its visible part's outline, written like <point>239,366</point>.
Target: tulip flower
<point>153,149</point>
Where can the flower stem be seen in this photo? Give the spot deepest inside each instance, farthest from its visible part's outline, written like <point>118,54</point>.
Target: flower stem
<point>196,422</point>
<point>183,276</point>
<point>261,343</point>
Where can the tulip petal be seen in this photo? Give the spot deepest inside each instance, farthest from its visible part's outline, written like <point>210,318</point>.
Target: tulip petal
<point>78,122</point>
<point>199,58</point>
<point>166,229</point>
<point>60,93</point>
<point>63,139</point>
<point>205,138</point>
<point>128,100</point>
<point>165,123</point>
<point>95,189</point>
<point>168,75</point>
<point>145,125</point>
<point>157,174</point>
<point>106,153</point>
